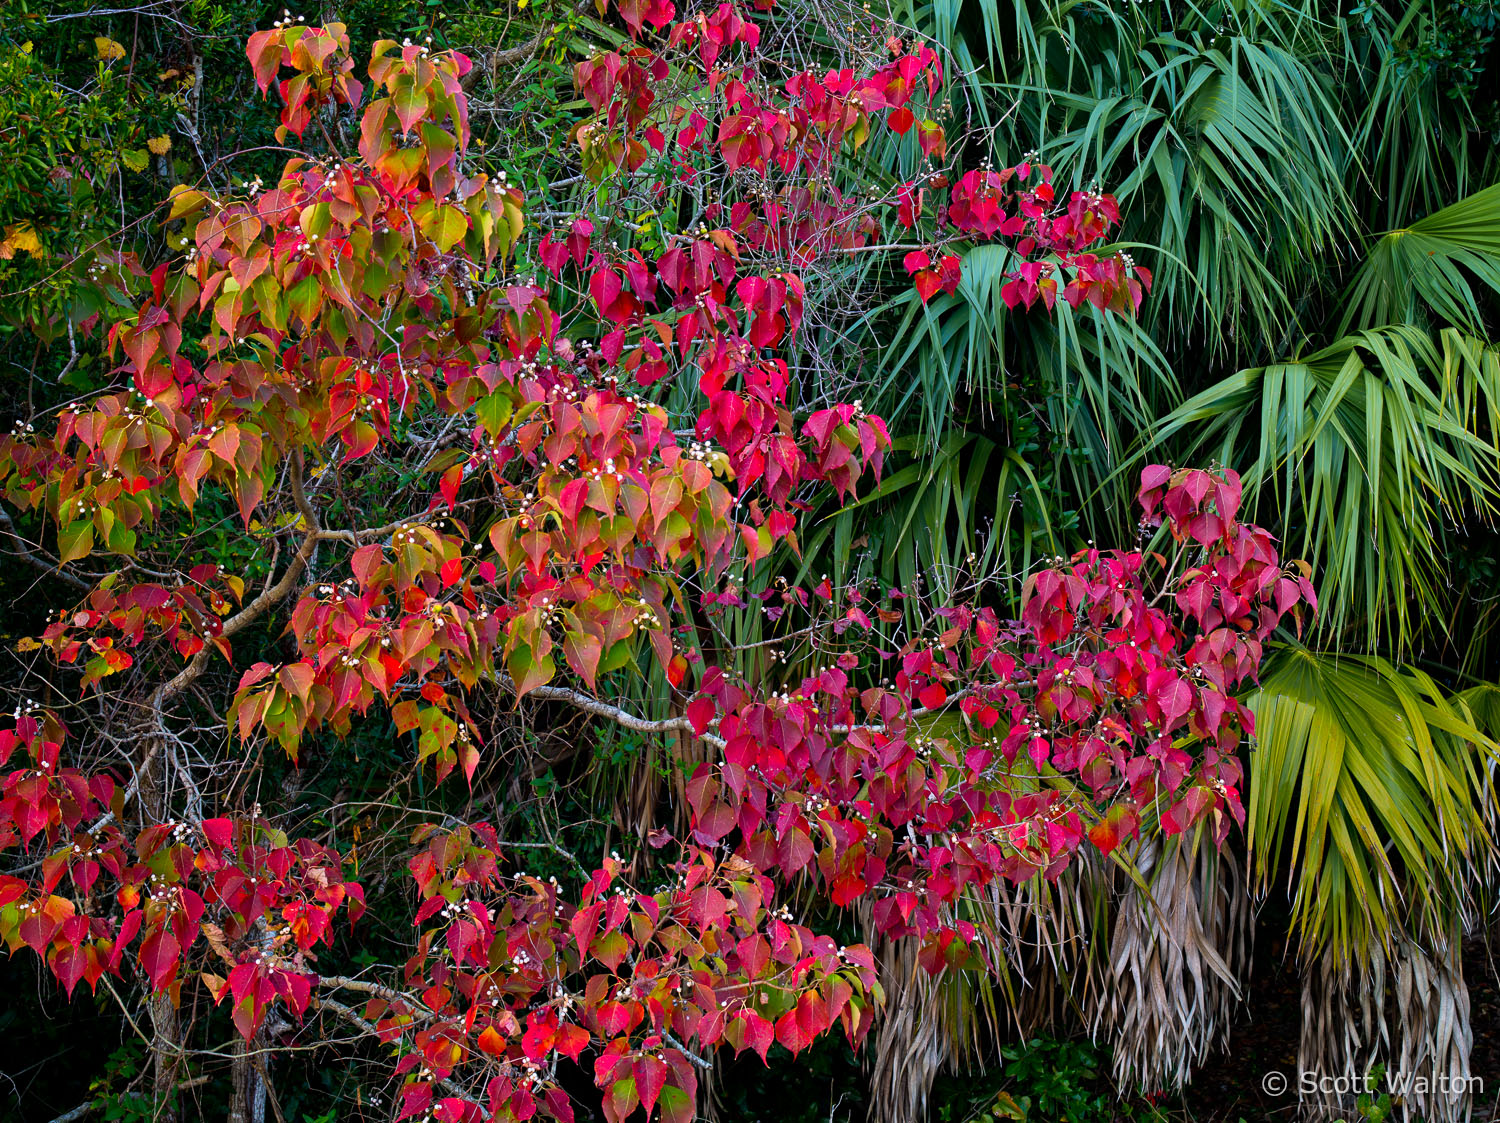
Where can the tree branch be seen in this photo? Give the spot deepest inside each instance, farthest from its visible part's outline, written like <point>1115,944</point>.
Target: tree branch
<point>700,1062</point>
<point>354,1018</point>
<point>39,558</point>
<point>622,717</point>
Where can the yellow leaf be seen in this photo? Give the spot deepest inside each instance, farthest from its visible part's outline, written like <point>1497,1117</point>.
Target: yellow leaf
<point>19,236</point>
<point>160,145</point>
<point>108,49</point>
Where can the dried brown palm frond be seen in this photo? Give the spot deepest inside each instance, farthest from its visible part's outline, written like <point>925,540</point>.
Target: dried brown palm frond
<point>1344,1030</point>
<point>1179,956</point>
<point>1043,966</point>
<point>1406,1010</point>
<point>910,1047</point>
<point>1432,1009</point>
<point>1162,988</point>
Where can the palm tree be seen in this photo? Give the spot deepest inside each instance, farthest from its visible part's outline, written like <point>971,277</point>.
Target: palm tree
<point>1316,193</point>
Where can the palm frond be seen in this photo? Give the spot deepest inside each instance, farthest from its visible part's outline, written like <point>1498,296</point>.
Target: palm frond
<point>967,358</point>
<point>1424,270</point>
<point>1223,142</point>
<point>1361,455</point>
<point>1366,790</point>
<point>1178,958</point>
<point>942,517</point>
<point>1405,1008</point>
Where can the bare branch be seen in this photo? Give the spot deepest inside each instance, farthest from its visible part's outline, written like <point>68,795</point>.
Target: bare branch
<point>621,717</point>
<point>38,558</point>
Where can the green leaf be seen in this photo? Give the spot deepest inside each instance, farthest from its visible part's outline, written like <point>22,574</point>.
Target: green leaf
<point>675,1104</point>
<point>316,220</point>
<point>493,412</point>
<point>1424,271</point>
<point>448,227</point>
<point>1367,790</point>
<point>305,298</point>
<point>75,540</point>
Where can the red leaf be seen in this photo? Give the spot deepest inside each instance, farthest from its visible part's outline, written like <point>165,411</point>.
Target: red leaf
<point>932,695</point>
<point>759,1033</point>
<point>650,1076</point>
<point>158,955</point>
<point>264,52</point>
<point>789,1032</point>
<point>700,711</point>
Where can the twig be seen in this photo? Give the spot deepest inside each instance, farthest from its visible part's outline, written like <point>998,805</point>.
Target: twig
<point>38,559</point>
<point>700,1062</point>
<point>355,1019</point>
<point>92,1105</point>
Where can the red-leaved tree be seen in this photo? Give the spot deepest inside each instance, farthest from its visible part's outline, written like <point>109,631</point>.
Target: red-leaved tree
<point>361,311</point>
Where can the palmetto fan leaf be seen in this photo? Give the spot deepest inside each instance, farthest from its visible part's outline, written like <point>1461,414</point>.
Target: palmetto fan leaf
<point>960,356</point>
<point>944,516</point>
<point>1426,269</point>
<point>1363,454</point>
<point>1366,793</point>
<point>1224,151</point>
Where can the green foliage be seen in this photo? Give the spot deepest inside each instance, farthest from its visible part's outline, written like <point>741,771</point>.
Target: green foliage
<point>1374,1107</point>
<point>1449,41</point>
<point>117,1090</point>
<point>1045,1080</point>
<point>1369,794</point>
<point>1422,274</point>
<point>1364,454</point>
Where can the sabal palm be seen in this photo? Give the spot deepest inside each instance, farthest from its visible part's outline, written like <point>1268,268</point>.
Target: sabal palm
<point>1325,235</point>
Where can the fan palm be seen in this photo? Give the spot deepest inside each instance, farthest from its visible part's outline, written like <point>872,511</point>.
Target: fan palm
<point>1364,454</point>
<point>1369,792</point>
<point>1422,271</point>
<point>1318,212</point>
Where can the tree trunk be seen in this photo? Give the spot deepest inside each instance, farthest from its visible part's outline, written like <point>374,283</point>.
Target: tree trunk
<point>248,1102</point>
<point>166,1027</point>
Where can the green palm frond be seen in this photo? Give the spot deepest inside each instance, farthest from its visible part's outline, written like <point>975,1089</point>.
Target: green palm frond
<point>961,356</point>
<point>1416,140</point>
<point>1425,269</point>
<point>1362,455</point>
<point>1366,789</point>
<point>968,507</point>
<point>1227,153</point>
